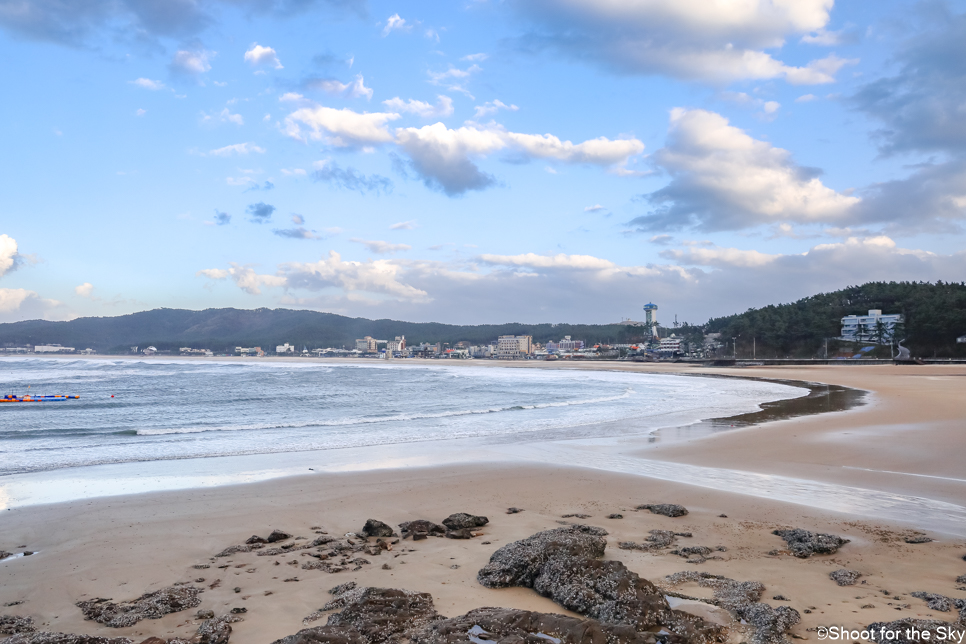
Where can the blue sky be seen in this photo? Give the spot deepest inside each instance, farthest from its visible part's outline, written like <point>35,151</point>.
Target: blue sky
<point>481,161</point>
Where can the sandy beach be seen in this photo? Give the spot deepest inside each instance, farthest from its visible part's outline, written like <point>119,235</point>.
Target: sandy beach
<point>908,440</point>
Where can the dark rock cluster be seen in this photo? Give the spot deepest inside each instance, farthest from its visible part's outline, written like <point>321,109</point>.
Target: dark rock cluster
<point>47,637</point>
<point>374,528</point>
<point>565,565</point>
<point>13,624</point>
<point>384,615</point>
<point>900,627</point>
<point>421,527</point>
<point>667,509</point>
<point>942,603</point>
<point>657,540</point>
<point>741,599</point>
<point>148,606</point>
<point>211,631</point>
<point>804,544</point>
<point>845,577</point>
<point>511,625</point>
<point>917,538</point>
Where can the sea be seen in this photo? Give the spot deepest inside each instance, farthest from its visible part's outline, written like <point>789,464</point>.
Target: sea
<point>161,409</point>
<point>158,424</point>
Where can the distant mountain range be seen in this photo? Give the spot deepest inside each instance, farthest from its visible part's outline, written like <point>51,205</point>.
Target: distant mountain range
<point>224,329</point>
<point>935,315</point>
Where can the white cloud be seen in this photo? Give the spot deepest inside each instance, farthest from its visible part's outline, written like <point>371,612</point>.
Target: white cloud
<point>497,288</point>
<point>823,38</point>
<point>140,112</point>
<point>341,128</point>
<point>692,39</point>
<point>492,107</point>
<point>770,107</point>
<point>237,149</point>
<point>595,208</point>
<point>294,172</point>
<point>85,289</point>
<point>258,56</point>
<point>599,151</point>
<point>224,116</point>
<point>20,304</point>
<point>561,260</point>
<point>818,72</point>
<point>381,247</point>
<point>443,107</point>
<point>805,98</point>
<point>298,220</point>
<point>475,58</point>
<point>722,178</point>
<point>395,23</point>
<point>355,89</point>
<point>453,73</point>
<point>147,83</point>
<point>715,256</point>
<point>192,62</point>
<point>443,157</point>
<point>380,277</point>
<point>12,298</point>
<point>244,277</point>
<point>8,254</point>
<point>404,225</point>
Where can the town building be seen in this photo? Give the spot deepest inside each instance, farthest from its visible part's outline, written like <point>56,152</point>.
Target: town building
<point>251,351</point>
<point>52,348</point>
<point>670,345</point>
<point>396,346</point>
<point>511,347</point>
<point>565,345</point>
<point>188,351</point>
<point>874,327</point>
<point>367,344</point>
<point>284,348</point>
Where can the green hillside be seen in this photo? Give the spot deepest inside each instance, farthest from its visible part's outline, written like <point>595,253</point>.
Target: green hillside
<point>935,316</point>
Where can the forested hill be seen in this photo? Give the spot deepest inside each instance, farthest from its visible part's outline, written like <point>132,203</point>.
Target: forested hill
<point>223,329</point>
<point>935,316</point>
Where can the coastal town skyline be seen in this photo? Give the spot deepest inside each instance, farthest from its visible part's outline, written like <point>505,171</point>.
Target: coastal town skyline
<point>561,160</point>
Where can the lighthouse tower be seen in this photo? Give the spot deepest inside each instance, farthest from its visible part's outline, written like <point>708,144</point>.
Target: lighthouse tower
<point>650,320</point>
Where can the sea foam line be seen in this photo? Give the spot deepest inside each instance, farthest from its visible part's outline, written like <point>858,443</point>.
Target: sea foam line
<point>345,422</point>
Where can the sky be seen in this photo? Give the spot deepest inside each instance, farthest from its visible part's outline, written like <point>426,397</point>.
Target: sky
<point>478,161</point>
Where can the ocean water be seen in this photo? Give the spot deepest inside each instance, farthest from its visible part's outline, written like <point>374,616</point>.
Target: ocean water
<point>160,409</point>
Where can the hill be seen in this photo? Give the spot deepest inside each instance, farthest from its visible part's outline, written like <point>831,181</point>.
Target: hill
<point>223,329</point>
<point>935,315</point>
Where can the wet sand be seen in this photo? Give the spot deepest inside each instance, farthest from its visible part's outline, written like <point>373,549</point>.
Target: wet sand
<point>911,434</point>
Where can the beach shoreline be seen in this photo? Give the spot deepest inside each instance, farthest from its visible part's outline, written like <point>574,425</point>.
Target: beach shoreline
<point>906,441</point>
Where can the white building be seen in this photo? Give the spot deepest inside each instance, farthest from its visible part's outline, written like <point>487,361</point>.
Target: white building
<point>396,346</point>
<point>188,351</point>
<point>52,348</point>
<point>367,344</point>
<point>251,351</point>
<point>284,348</point>
<point>509,347</point>
<point>873,327</point>
<point>565,345</point>
<point>670,345</point>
